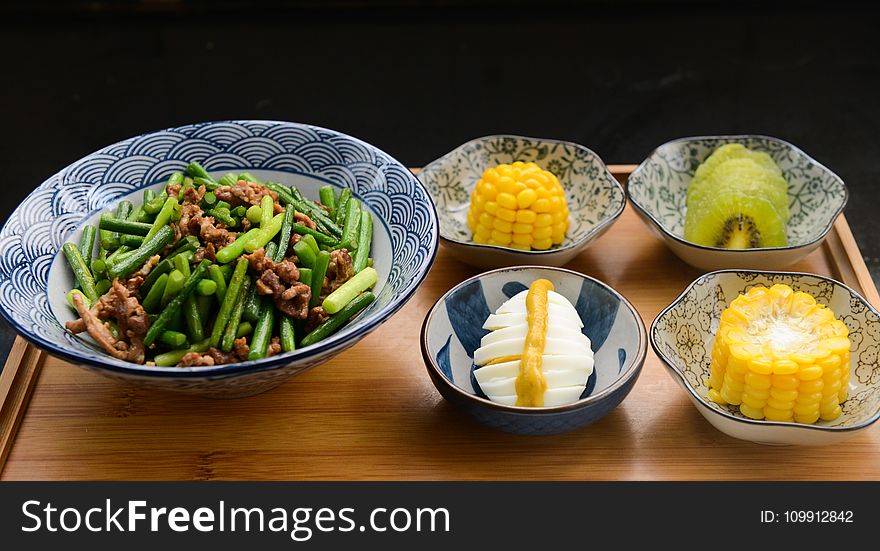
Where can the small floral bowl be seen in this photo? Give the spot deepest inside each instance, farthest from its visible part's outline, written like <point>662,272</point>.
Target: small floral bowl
<point>453,328</point>
<point>684,332</point>
<point>595,198</point>
<point>657,189</point>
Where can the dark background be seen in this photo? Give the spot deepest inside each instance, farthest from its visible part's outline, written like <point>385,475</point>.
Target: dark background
<point>419,78</point>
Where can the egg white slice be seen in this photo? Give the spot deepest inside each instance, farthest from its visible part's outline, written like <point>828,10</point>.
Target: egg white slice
<point>555,314</point>
<point>559,371</point>
<point>552,397</point>
<point>519,332</point>
<point>517,303</point>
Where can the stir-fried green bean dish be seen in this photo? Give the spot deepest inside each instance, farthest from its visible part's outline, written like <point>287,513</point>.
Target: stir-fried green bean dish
<point>211,272</point>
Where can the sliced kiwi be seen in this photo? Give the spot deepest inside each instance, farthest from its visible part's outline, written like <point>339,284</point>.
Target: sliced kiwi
<point>737,199</point>
<point>746,176</point>
<point>735,220</point>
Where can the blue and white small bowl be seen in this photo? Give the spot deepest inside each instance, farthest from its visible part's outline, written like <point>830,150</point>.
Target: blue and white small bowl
<point>658,188</point>
<point>34,277</point>
<point>453,328</point>
<point>683,334</point>
<point>595,198</point>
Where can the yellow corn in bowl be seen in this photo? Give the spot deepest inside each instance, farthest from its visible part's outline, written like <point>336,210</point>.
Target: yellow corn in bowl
<point>780,356</point>
<point>518,205</point>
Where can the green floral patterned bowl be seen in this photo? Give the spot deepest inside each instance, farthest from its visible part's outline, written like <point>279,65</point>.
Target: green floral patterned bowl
<point>657,190</point>
<point>595,198</point>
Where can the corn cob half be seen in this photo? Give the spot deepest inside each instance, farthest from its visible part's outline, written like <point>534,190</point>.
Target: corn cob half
<point>780,356</point>
<point>518,205</point>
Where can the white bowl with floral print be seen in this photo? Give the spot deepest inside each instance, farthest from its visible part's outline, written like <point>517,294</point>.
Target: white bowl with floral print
<point>684,332</point>
<point>595,198</point>
<point>658,187</point>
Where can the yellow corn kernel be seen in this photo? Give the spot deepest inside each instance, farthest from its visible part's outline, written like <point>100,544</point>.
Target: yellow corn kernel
<point>502,225</point>
<point>526,216</point>
<point>505,214</point>
<point>500,237</point>
<point>507,201</point>
<point>780,356</point>
<point>543,220</point>
<point>525,198</point>
<point>486,191</point>
<point>523,238</point>
<point>483,232</point>
<point>519,227</point>
<point>542,244</point>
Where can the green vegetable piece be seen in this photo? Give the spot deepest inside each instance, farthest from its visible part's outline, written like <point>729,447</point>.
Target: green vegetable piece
<point>87,243</point>
<point>195,170</point>
<point>244,329</point>
<point>235,317</point>
<point>287,334</point>
<point>346,292</point>
<point>284,236</point>
<point>248,177</point>
<point>164,267</point>
<point>304,253</point>
<point>253,214</point>
<point>195,324</point>
<point>228,179</point>
<point>99,266</point>
<point>173,286</point>
<point>219,280</point>
<point>111,223</point>
<point>263,331</point>
<point>328,197</point>
<point>305,276</point>
<point>85,299</point>
<point>80,271</point>
<point>312,242</point>
<point>236,248</point>
<point>172,358</point>
<point>266,233</point>
<point>173,339</point>
<point>267,210</point>
<point>152,245</point>
<point>352,222</point>
<point>239,211</point>
<point>153,301</point>
<point>209,199</point>
<point>336,321</point>
<point>322,261</point>
<point>229,300</point>
<point>342,206</point>
<point>252,305</point>
<point>222,215</point>
<point>321,238</point>
<point>365,239</point>
<point>175,305</point>
<point>102,286</point>
<point>206,287</point>
<point>163,217</point>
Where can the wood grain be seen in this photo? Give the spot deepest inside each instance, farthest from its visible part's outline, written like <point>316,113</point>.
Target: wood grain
<point>372,412</point>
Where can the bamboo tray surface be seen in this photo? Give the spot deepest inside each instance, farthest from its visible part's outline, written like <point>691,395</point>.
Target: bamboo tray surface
<point>372,412</point>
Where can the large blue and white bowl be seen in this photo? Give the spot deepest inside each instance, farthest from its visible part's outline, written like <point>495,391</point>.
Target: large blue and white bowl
<point>34,277</point>
<point>453,328</point>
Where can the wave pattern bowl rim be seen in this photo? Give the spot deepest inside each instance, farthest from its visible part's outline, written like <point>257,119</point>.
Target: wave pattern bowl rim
<point>583,240</point>
<point>704,404</point>
<point>310,356</point>
<point>648,214</point>
<point>436,374</point>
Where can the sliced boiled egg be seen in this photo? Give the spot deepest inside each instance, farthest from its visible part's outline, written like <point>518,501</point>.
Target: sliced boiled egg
<point>561,352</point>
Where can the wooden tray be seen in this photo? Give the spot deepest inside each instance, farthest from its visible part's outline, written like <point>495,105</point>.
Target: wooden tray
<point>372,412</point>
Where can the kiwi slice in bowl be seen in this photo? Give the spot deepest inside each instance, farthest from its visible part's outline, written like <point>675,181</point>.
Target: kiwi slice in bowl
<point>737,199</point>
